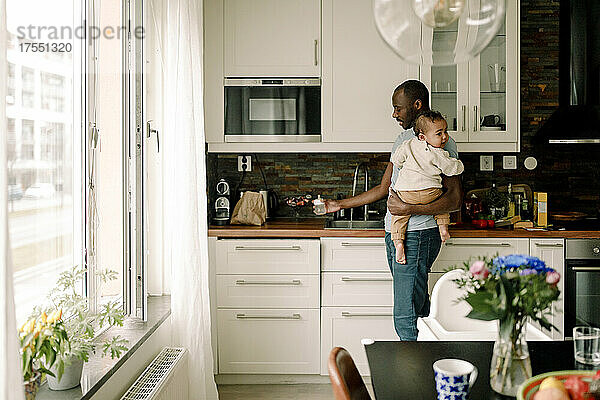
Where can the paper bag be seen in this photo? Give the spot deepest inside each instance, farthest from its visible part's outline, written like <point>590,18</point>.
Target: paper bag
<point>250,210</point>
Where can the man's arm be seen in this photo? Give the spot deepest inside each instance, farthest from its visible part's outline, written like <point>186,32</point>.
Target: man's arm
<point>450,201</point>
<point>376,193</point>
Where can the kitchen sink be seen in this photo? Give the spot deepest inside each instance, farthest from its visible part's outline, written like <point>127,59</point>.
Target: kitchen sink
<point>329,224</point>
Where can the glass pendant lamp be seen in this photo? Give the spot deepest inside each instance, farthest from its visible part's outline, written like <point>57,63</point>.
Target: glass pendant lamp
<point>438,32</point>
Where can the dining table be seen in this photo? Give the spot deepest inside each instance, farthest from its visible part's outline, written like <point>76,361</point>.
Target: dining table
<point>404,370</point>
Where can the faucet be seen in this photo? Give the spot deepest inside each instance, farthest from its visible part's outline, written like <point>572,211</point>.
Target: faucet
<point>354,182</point>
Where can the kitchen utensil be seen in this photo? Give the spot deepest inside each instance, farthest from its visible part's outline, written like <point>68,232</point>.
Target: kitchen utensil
<point>491,120</point>
<point>568,216</point>
<point>454,378</point>
<point>530,387</point>
<point>497,75</point>
<point>586,340</point>
<point>222,203</point>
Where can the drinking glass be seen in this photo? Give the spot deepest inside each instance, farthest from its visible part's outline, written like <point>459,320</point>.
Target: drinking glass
<point>587,344</point>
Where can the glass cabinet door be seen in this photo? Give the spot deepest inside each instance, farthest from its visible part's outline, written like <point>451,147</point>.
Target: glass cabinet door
<point>448,86</point>
<point>493,86</point>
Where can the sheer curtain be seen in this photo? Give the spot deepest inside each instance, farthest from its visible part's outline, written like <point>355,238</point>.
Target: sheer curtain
<point>11,381</point>
<point>184,186</point>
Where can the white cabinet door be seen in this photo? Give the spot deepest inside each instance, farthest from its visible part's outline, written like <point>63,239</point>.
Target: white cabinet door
<point>360,73</point>
<point>354,254</point>
<point>268,291</point>
<point>267,256</point>
<point>346,326</point>
<point>357,289</point>
<point>268,341</point>
<point>272,38</point>
<point>458,250</point>
<point>552,252</point>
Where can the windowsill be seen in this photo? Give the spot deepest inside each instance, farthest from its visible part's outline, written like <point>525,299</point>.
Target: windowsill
<point>98,369</point>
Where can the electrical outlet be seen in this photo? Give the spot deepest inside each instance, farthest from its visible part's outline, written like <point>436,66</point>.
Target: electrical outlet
<point>486,163</point>
<point>509,162</point>
<point>244,163</point>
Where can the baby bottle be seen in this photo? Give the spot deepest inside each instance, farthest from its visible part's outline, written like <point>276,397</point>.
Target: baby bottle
<point>319,206</point>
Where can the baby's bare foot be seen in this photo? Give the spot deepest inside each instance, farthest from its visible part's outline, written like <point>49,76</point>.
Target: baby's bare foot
<point>400,257</point>
<point>444,234</point>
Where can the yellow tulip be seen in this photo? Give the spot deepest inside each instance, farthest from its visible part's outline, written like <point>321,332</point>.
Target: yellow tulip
<point>55,316</point>
<point>43,317</point>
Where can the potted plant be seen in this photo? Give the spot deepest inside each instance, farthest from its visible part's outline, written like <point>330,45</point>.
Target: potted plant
<point>81,325</point>
<point>511,289</point>
<point>41,338</point>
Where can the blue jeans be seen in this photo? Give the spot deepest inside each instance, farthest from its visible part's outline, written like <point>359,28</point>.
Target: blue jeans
<point>411,298</point>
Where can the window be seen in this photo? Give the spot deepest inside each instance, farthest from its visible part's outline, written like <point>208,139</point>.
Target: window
<point>11,89</point>
<point>28,92</point>
<point>44,156</point>
<point>53,93</point>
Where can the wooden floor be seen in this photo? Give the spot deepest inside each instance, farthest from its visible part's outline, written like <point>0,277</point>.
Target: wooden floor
<point>278,392</point>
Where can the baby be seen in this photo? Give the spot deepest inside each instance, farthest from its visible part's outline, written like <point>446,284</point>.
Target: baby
<point>422,160</point>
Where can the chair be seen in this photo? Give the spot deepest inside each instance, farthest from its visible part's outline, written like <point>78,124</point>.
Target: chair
<point>345,378</point>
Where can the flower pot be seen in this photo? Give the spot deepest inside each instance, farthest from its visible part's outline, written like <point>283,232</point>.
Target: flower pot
<point>32,386</point>
<point>511,365</point>
<point>71,376</point>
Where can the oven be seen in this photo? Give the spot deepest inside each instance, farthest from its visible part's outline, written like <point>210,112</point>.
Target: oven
<point>273,110</point>
<point>582,284</point>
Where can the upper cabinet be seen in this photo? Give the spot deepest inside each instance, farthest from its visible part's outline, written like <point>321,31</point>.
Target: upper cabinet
<point>360,73</point>
<point>480,99</point>
<point>272,38</point>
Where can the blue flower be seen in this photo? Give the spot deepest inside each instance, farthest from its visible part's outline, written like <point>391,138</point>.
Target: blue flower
<point>527,271</point>
<point>519,261</point>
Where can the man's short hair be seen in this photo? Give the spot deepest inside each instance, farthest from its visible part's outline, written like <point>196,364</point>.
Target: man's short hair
<point>425,117</point>
<point>415,90</point>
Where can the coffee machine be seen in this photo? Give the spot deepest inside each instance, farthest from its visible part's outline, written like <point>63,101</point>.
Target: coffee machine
<point>222,203</point>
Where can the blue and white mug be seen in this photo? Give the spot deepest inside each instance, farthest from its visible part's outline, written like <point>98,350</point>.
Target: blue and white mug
<point>453,378</point>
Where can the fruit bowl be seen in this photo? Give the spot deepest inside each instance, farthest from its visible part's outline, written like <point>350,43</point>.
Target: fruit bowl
<point>531,385</point>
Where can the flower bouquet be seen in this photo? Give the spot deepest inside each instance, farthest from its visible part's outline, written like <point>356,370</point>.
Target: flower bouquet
<point>510,289</point>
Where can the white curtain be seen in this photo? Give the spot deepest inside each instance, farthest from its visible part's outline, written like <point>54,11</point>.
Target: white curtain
<point>184,186</point>
<point>11,380</point>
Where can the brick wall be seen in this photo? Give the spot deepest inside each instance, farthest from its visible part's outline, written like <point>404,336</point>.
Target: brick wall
<point>567,173</point>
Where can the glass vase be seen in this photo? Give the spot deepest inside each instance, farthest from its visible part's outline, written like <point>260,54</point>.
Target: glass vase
<point>511,365</point>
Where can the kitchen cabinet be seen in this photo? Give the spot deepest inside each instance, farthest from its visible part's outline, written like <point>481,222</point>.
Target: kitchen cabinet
<point>272,38</point>
<point>480,98</point>
<point>360,73</point>
<point>356,297</point>
<point>267,293</point>
<point>552,252</point>
<point>458,250</point>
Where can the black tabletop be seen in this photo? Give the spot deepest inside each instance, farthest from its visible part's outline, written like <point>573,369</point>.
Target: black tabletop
<point>404,370</point>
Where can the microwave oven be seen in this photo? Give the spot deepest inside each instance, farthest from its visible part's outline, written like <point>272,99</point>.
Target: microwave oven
<point>272,110</point>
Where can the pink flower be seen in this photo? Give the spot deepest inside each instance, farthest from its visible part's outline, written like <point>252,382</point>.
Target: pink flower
<point>479,270</point>
<point>552,277</point>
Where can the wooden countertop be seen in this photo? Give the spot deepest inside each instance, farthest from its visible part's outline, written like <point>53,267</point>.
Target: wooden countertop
<point>313,228</point>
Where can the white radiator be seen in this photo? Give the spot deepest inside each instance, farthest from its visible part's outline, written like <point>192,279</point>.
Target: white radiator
<point>165,378</point>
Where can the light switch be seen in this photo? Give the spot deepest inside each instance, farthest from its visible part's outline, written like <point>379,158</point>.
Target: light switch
<point>509,162</point>
<point>486,163</point>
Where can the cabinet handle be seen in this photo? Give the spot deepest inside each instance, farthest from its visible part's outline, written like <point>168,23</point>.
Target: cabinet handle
<point>244,316</point>
<point>316,51</point>
<point>478,244</point>
<point>350,314</point>
<point>597,269</point>
<point>549,244</point>
<point>267,248</point>
<point>350,279</point>
<point>464,118</point>
<point>280,283</point>
<point>476,119</point>
<point>361,244</point>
